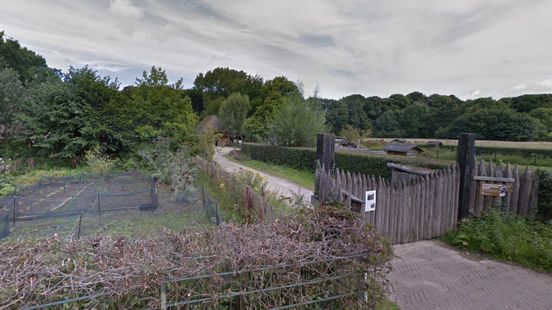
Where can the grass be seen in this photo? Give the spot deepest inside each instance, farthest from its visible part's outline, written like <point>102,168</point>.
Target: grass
<point>302,178</point>
<point>387,305</point>
<point>506,237</point>
<point>33,176</point>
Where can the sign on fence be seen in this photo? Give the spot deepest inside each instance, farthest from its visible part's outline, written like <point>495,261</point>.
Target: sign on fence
<point>370,201</point>
<point>495,190</point>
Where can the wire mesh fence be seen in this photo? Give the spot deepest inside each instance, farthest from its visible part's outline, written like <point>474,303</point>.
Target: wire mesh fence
<point>211,208</point>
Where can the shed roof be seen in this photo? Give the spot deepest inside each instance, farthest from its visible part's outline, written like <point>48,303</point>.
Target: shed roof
<point>210,121</point>
<point>401,147</point>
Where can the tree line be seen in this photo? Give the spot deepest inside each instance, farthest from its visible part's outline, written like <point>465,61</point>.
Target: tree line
<point>47,113</point>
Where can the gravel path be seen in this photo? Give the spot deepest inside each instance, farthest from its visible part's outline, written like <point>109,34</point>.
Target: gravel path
<point>283,187</point>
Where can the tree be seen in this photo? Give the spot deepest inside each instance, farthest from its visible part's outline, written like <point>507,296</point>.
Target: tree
<point>544,115</point>
<point>357,136</point>
<point>496,124</point>
<point>28,65</point>
<point>11,92</point>
<point>257,126</point>
<point>297,123</point>
<point>233,112</point>
<point>55,121</point>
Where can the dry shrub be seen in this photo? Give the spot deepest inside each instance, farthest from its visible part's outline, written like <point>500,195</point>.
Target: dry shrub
<point>127,272</point>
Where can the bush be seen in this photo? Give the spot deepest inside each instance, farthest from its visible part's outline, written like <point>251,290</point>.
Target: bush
<point>99,163</point>
<point>544,207</point>
<point>126,273</point>
<point>305,159</point>
<point>506,237</point>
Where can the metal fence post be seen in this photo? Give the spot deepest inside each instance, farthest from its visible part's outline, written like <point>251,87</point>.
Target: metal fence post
<point>163,296</point>
<point>217,213</point>
<point>99,206</point>
<point>79,229</point>
<point>203,197</point>
<point>14,211</point>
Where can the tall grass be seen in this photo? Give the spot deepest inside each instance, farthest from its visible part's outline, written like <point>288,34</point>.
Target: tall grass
<point>506,237</point>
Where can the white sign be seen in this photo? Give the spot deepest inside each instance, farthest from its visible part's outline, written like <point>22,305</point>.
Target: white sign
<point>370,201</point>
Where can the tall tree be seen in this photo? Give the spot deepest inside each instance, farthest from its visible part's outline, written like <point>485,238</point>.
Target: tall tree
<point>233,112</point>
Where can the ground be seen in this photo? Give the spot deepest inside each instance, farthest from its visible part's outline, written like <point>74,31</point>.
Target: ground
<point>431,275</point>
<point>283,187</point>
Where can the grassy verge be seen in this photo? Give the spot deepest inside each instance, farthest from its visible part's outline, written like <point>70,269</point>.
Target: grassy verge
<point>506,237</point>
<point>302,178</point>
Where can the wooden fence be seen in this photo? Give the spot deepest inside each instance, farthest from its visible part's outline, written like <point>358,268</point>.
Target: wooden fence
<point>522,189</point>
<point>418,209</point>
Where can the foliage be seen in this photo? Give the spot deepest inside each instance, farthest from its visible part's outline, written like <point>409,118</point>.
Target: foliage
<point>544,207</point>
<point>354,135</point>
<point>297,123</point>
<point>233,112</point>
<point>176,169</point>
<point>6,179</point>
<point>98,162</point>
<point>11,92</point>
<point>206,143</point>
<point>305,159</point>
<point>57,124</point>
<point>506,237</point>
<point>126,272</point>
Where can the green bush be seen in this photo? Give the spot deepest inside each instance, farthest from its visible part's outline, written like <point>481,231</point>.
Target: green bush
<point>305,159</point>
<point>506,237</point>
<point>544,207</point>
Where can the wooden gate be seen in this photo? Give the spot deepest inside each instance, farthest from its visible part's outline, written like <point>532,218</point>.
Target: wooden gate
<point>422,208</point>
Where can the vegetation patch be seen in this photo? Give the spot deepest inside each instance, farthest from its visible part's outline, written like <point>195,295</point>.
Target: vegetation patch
<point>126,273</point>
<point>302,178</point>
<point>506,237</point>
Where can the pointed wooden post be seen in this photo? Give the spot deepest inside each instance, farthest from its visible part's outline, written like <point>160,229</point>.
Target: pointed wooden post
<point>465,158</point>
<point>325,150</point>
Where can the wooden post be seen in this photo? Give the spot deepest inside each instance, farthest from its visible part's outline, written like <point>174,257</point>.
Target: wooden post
<point>325,150</point>
<point>79,229</point>
<point>465,157</point>
<point>14,211</point>
<point>100,206</point>
<point>203,198</point>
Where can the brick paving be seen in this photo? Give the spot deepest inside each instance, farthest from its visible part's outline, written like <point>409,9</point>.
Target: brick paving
<point>430,275</point>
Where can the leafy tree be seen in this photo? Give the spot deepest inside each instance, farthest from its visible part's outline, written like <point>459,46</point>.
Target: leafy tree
<point>233,112</point>
<point>496,124</point>
<point>257,126</point>
<point>527,103</point>
<point>11,92</point>
<point>387,125</point>
<point>28,65</point>
<point>544,115</point>
<point>297,123</point>
<point>55,121</point>
<point>357,136</point>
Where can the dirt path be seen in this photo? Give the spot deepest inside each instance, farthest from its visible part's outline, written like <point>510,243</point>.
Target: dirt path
<point>281,186</point>
<point>430,275</point>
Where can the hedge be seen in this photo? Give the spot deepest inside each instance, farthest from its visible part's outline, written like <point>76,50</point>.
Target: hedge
<point>544,208</point>
<point>490,150</point>
<point>305,159</point>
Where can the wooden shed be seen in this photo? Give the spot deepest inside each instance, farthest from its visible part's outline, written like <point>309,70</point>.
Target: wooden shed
<point>405,149</point>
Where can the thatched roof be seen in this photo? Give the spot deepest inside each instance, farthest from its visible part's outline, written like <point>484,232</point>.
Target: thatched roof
<point>210,121</point>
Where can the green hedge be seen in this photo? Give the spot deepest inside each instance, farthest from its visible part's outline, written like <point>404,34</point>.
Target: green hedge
<point>305,159</point>
<point>544,208</point>
<point>491,150</point>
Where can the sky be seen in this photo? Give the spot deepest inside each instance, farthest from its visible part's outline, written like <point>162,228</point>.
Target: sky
<point>469,48</point>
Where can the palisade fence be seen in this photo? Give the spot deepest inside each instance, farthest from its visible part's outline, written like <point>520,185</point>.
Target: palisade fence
<point>408,211</point>
<point>522,189</point>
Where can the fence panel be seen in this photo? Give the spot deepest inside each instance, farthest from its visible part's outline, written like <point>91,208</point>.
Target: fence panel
<point>416,209</point>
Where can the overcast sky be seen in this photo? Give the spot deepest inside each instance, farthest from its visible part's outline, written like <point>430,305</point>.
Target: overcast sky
<point>468,48</point>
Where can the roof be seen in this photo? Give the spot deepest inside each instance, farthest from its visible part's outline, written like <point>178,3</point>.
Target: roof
<point>410,169</point>
<point>401,147</point>
<point>211,121</point>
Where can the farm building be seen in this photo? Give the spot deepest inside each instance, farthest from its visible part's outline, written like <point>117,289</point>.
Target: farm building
<point>213,122</point>
<point>405,149</point>
<point>434,144</point>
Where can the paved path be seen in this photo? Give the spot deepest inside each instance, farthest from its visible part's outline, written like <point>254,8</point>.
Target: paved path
<point>430,275</point>
<point>281,186</point>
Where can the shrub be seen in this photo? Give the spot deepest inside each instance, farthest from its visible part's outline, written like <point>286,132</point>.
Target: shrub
<point>305,159</point>
<point>126,273</point>
<point>507,237</point>
<point>97,162</point>
<point>544,207</point>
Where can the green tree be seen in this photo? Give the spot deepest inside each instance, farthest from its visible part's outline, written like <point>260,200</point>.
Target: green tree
<point>297,123</point>
<point>11,93</point>
<point>55,121</point>
<point>233,112</point>
<point>544,115</point>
